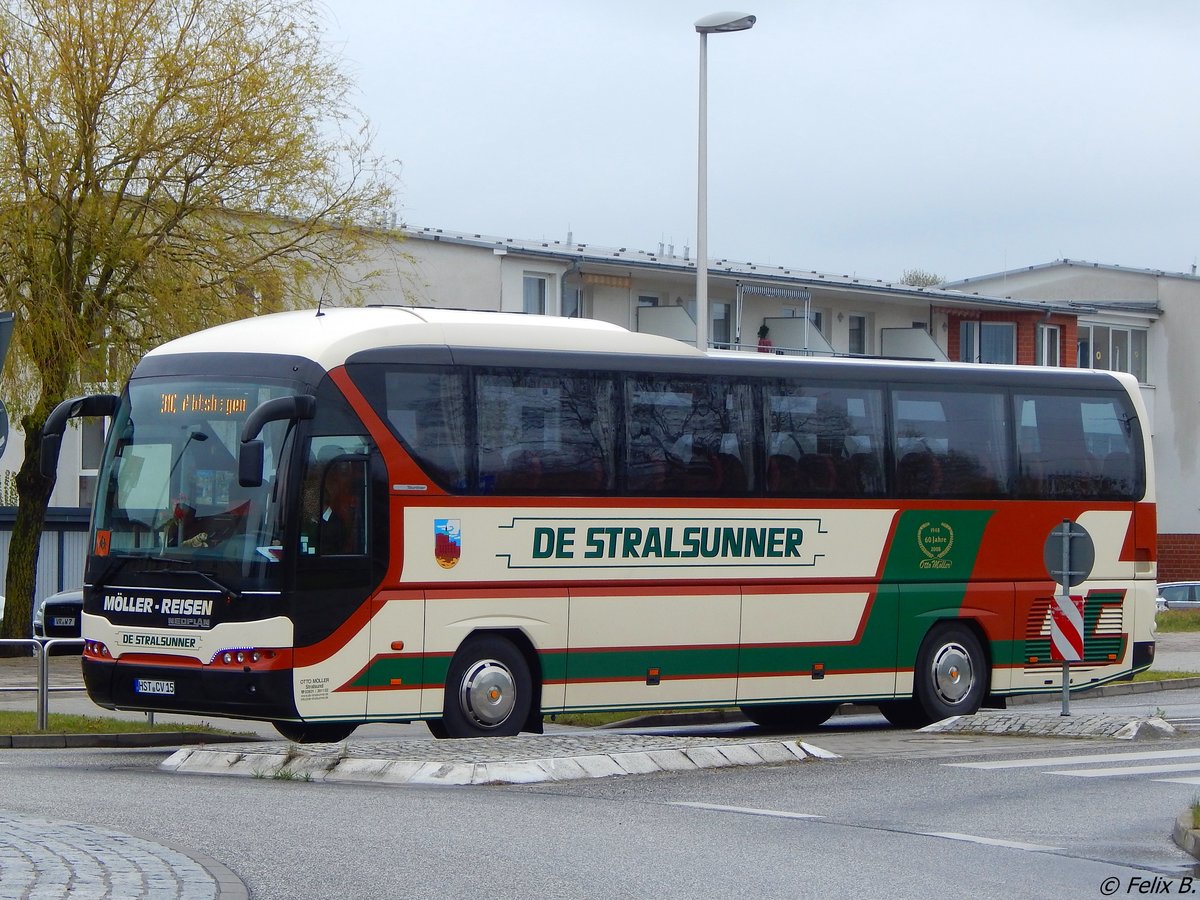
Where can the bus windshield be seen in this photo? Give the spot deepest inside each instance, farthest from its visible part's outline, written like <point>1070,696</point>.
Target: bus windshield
<point>168,485</point>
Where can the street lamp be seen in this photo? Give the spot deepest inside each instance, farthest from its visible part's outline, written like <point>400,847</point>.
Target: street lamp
<point>717,23</point>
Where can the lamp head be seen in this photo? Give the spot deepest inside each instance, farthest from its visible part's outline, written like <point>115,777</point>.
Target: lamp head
<point>717,23</point>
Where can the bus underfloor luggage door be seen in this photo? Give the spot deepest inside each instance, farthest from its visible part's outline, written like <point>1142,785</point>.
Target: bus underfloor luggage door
<point>652,648</point>
<point>810,642</point>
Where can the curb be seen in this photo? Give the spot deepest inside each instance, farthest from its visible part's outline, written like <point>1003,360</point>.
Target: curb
<point>655,720</point>
<point>724,716</point>
<point>1110,690</point>
<point>508,760</point>
<point>1185,836</point>
<point>131,739</point>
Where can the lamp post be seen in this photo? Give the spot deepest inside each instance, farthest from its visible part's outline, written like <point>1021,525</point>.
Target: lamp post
<point>717,23</point>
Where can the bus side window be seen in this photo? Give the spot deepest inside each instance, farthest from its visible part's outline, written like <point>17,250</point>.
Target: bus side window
<point>334,499</point>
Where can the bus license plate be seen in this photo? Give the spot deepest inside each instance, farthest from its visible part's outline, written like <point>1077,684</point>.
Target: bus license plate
<point>64,621</point>
<point>153,686</point>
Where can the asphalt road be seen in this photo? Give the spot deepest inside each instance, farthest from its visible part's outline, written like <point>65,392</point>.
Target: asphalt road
<point>899,815</point>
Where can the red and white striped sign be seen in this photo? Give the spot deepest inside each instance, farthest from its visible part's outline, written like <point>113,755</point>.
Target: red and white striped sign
<point>1066,628</point>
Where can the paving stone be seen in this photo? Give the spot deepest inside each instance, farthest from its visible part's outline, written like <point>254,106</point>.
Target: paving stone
<point>46,858</point>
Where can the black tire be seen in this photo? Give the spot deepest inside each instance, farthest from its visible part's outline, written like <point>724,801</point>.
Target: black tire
<point>903,713</point>
<point>488,689</point>
<point>951,676</point>
<point>790,716</point>
<point>437,728</point>
<point>315,732</point>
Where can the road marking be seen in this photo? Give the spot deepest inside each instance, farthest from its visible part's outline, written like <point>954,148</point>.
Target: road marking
<point>1076,760</point>
<point>1179,780</point>
<point>1110,771</point>
<point>748,810</point>
<point>992,842</point>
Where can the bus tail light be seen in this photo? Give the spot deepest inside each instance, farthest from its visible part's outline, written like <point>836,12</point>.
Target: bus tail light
<point>95,649</point>
<point>246,656</point>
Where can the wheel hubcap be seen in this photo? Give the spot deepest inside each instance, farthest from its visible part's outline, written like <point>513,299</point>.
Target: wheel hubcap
<point>953,676</point>
<point>488,693</point>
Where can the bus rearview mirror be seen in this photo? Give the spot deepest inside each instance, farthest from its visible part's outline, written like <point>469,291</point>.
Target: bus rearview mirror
<point>250,464</point>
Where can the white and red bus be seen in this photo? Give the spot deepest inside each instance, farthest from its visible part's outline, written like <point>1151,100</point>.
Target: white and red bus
<point>324,519</point>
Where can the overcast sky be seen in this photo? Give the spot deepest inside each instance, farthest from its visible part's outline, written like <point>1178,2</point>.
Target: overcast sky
<point>845,136</point>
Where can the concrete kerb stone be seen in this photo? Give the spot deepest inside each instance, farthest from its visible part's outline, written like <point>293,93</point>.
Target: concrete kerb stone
<point>1185,836</point>
<point>518,760</point>
<point>1098,725</point>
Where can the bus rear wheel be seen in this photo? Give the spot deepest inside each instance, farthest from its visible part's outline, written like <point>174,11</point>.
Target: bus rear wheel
<point>315,732</point>
<point>951,675</point>
<point>789,716</point>
<point>488,689</point>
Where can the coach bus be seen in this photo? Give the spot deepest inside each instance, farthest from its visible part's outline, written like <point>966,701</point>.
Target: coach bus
<point>328,518</point>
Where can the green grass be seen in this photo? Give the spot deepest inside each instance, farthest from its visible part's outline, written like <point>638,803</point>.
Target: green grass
<point>1174,620</point>
<point>58,723</point>
<point>1163,676</point>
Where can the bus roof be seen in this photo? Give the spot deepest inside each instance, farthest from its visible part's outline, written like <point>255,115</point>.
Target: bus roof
<point>329,337</point>
<point>332,335</point>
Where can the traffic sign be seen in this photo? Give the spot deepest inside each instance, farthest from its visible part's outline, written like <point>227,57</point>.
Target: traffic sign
<point>1069,554</point>
<point>1066,628</point>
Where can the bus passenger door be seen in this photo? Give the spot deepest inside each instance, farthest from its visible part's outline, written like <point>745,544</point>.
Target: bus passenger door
<point>647,648</point>
<point>810,642</point>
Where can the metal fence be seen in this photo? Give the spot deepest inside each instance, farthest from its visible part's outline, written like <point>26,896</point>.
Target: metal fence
<point>41,655</point>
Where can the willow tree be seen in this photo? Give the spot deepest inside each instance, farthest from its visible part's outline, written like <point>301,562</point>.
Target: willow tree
<point>165,165</point>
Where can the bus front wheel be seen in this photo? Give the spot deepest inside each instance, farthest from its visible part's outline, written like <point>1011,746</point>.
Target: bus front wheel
<point>951,675</point>
<point>488,689</point>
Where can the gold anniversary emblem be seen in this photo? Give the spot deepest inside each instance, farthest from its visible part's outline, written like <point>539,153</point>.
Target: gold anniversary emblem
<point>934,539</point>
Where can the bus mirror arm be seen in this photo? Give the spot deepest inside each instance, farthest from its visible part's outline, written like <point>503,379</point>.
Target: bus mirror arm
<point>56,424</point>
<point>250,454</point>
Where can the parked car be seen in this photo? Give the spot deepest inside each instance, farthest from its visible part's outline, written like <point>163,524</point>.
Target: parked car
<point>59,616</point>
<point>1179,595</point>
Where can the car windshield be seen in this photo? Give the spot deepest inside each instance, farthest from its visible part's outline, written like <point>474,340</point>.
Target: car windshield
<point>168,486</point>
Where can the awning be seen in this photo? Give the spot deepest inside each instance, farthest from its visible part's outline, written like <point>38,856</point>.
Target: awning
<point>766,290</point>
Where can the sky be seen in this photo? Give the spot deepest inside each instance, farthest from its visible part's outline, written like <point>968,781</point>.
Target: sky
<point>864,137</point>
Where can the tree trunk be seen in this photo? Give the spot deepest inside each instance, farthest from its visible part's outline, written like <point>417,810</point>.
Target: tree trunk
<point>34,493</point>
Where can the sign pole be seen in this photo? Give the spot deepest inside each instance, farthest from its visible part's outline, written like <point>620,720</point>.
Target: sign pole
<point>1066,589</point>
<point>1069,555</point>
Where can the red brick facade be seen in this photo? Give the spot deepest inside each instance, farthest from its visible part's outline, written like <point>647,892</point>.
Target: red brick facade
<point>1179,557</point>
<point>1026,323</point>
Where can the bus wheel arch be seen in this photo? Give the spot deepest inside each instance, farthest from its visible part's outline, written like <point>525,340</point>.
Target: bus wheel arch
<point>493,687</point>
<point>952,672</point>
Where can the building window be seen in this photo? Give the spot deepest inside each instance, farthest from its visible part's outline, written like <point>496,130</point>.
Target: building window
<point>91,451</point>
<point>648,300</point>
<point>1113,349</point>
<point>818,317</point>
<point>1046,346</point>
<point>721,324</point>
<point>535,294</point>
<point>987,342</point>
<point>858,334</point>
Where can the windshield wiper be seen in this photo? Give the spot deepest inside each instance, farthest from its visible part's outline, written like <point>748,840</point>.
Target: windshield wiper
<point>181,567</point>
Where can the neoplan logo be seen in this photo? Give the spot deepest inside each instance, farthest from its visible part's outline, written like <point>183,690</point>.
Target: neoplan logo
<point>934,539</point>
